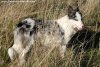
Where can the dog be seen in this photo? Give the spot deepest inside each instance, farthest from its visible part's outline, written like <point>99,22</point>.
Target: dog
<point>30,30</point>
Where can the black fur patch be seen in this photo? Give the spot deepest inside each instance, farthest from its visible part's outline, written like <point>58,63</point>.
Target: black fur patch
<point>21,23</point>
<point>72,12</point>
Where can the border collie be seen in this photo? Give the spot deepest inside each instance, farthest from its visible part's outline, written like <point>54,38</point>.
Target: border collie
<point>30,30</point>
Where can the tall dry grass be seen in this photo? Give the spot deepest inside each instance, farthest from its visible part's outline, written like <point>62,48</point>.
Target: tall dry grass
<point>11,13</point>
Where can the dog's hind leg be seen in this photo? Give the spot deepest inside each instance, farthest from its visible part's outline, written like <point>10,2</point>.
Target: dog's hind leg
<point>12,53</point>
<point>62,49</point>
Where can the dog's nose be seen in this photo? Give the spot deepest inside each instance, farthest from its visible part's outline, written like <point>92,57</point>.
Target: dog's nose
<point>81,28</point>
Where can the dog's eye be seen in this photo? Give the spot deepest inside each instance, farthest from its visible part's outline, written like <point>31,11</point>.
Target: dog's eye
<point>27,26</point>
<point>75,19</point>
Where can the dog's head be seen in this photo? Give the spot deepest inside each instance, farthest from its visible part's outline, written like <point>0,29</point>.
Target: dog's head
<point>26,25</point>
<point>75,18</point>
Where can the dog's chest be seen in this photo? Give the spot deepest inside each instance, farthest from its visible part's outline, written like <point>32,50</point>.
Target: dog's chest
<point>67,28</point>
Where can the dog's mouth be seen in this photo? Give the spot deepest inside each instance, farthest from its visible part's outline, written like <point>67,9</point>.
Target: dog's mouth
<point>78,29</point>
<point>23,30</point>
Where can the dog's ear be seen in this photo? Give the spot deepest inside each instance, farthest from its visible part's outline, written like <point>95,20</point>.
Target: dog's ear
<point>77,8</point>
<point>71,12</point>
<point>19,24</point>
<point>70,9</point>
<point>73,9</point>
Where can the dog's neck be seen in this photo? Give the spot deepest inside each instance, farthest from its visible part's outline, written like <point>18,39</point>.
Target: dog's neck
<point>64,22</point>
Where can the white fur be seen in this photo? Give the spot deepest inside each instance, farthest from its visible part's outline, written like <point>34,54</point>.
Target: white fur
<point>77,24</point>
<point>17,50</point>
<point>30,21</point>
<point>68,27</point>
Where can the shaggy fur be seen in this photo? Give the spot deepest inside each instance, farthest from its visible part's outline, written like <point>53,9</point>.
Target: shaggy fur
<point>45,31</point>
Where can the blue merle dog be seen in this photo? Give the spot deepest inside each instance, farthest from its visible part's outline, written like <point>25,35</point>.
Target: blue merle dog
<point>30,30</point>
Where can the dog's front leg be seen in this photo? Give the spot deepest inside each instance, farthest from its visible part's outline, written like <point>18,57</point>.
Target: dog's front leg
<point>23,54</point>
<point>12,53</point>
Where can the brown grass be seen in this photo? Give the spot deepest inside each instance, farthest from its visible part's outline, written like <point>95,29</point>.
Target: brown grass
<point>10,14</point>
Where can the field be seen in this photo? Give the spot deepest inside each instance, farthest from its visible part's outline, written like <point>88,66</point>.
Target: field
<point>12,12</point>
